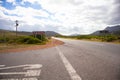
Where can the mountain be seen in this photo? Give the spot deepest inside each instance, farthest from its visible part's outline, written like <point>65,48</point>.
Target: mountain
<point>96,33</point>
<point>9,32</point>
<point>74,34</point>
<point>109,30</point>
<point>113,28</point>
<point>51,33</point>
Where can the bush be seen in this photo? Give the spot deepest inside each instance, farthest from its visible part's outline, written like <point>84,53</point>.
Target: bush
<point>11,41</point>
<point>84,37</point>
<point>109,38</point>
<point>28,40</point>
<point>33,41</point>
<point>3,40</point>
<point>23,39</point>
<point>41,37</point>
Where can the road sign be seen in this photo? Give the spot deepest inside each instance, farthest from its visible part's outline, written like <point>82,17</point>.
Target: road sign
<point>38,32</point>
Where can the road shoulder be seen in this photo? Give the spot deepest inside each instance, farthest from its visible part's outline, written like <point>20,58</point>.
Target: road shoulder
<point>51,43</point>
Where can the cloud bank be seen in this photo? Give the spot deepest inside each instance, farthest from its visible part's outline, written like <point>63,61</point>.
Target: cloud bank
<point>63,16</point>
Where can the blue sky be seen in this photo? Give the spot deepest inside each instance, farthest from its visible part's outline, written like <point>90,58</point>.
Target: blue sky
<point>10,5</point>
<point>63,16</point>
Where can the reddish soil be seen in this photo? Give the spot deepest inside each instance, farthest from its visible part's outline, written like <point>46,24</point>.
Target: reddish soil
<point>52,43</point>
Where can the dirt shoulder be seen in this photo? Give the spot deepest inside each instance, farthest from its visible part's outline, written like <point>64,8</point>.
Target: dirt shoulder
<point>51,43</point>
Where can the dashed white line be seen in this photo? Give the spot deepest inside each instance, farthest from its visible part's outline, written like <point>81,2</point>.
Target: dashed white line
<point>70,69</point>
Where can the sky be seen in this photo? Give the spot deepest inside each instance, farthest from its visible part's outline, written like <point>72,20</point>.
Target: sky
<point>63,16</point>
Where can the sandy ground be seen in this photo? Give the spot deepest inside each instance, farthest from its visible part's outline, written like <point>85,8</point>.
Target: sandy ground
<point>52,43</point>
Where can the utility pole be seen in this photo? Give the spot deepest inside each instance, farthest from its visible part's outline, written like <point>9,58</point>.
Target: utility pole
<point>16,22</point>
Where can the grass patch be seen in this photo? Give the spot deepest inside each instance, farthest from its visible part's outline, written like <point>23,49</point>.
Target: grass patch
<point>8,40</point>
<point>12,46</point>
<point>103,38</point>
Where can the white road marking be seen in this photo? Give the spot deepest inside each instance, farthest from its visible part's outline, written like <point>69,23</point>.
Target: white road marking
<point>12,73</point>
<point>33,70</point>
<point>27,66</point>
<point>21,79</point>
<point>28,73</point>
<point>33,73</point>
<point>70,69</point>
<point>2,65</point>
<point>35,66</point>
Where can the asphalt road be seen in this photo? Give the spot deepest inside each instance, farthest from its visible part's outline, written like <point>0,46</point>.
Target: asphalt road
<point>75,60</point>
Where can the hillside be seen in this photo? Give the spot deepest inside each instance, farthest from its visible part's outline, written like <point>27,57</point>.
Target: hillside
<point>13,33</point>
<point>109,30</point>
<point>51,33</point>
<point>9,32</point>
<point>113,28</point>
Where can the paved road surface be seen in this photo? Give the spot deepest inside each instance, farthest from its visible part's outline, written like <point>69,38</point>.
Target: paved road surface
<point>75,60</point>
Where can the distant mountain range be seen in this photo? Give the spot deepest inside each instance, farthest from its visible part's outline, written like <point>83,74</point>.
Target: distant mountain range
<point>109,30</point>
<point>74,34</point>
<point>48,33</point>
<point>51,33</point>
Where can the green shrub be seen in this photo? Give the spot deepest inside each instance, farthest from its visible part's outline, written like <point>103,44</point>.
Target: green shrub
<point>118,37</point>
<point>28,40</point>
<point>33,41</point>
<point>11,40</point>
<point>23,39</point>
<point>41,37</point>
<point>84,37</point>
<point>109,38</point>
<point>3,40</point>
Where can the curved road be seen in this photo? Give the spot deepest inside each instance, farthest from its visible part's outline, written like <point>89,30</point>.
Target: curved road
<point>74,60</point>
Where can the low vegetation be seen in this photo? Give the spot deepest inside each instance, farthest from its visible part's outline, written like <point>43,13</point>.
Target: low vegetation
<point>23,40</point>
<point>9,37</point>
<point>104,38</point>
<point>8,40</point>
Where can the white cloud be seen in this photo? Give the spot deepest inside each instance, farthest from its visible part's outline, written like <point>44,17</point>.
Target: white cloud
<point>0,1</point>
<point>22,11</point>
<point>31,1</point>
<point>26,14</point>
<point>11,1</point>
<point>89,15</point>
<point>67,16</point>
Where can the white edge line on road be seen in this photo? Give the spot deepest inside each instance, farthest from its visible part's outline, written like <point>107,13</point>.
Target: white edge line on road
<point>68,66</point>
